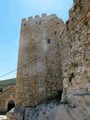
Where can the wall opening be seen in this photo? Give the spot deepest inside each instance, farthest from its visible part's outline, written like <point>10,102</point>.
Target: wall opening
<point>48,41</point>
<point>71,77</point>
<point>24,24</point>
<point>11,105</point>
<point>40,22</point>
<point>1,90</point>
<point>55,32</point>
<point>60,95</point>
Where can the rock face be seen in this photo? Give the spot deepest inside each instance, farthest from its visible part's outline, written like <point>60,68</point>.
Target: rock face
<point>39,78</point>
<point>75,55</point>
<point>51,111</point>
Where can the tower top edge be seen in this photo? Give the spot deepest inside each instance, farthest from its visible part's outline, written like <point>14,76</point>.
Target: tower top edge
<point>37,17</point>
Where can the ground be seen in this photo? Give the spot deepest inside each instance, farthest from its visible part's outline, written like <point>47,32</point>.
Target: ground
<point>3,117</point>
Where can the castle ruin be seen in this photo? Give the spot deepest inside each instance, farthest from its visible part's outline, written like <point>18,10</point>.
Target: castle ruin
<point>54,58</point>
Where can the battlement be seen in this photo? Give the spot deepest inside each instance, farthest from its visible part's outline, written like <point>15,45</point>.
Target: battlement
<point>37,18</point>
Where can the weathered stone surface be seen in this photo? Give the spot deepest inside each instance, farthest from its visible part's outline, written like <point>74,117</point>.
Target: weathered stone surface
<point>10,115</point>
<point>80,100</point>
<point>39,79</point>
<point>75,53</point>
<point>53,111</point>
<point>50,111</point>
<point>16,114</point>
<point>5,98</point>
<point>80,113</point>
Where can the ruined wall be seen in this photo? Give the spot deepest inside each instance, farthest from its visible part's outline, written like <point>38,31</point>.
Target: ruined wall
<point>75,55</point>
<point>39,76</point>
<point>5,97</point>
<point>75,64</point>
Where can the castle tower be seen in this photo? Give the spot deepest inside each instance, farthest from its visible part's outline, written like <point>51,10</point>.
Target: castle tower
<point>39,69</point>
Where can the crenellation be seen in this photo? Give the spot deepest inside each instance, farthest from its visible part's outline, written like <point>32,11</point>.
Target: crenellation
<point>44,15</point>
<point>37,17</point>
<point>54,15</point>
<point>24,21</point>
<point>30,18</point>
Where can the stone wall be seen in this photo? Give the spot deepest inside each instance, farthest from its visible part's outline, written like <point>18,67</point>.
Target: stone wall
<point>38,81</point>
<point>5,97</point>
<point>75,55</point>
<point>39,77</point>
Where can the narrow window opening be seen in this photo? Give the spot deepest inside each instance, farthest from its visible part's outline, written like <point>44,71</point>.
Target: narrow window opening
<point>24,24</point>
<point>48,41</point>
<point>59,95</point>
<point>55,32</point>
<point>1,90</point>
<point>39,23</point>
<point>71,77</point>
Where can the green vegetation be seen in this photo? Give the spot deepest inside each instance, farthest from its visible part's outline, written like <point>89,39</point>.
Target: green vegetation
<point>7,82</point>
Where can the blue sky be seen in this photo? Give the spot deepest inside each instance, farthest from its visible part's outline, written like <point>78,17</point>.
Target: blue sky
<point>11,13</point>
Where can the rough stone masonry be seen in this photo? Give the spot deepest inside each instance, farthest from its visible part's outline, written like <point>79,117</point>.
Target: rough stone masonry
<point>39,78</point>
<point>75,55</point>
<point>68,62</point>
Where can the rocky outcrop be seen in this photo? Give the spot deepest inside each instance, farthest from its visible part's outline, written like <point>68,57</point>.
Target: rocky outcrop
<point>52,111</point>
<point>75,51</point>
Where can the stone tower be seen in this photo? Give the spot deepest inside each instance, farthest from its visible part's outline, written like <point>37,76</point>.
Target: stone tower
<point>39,69</point>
